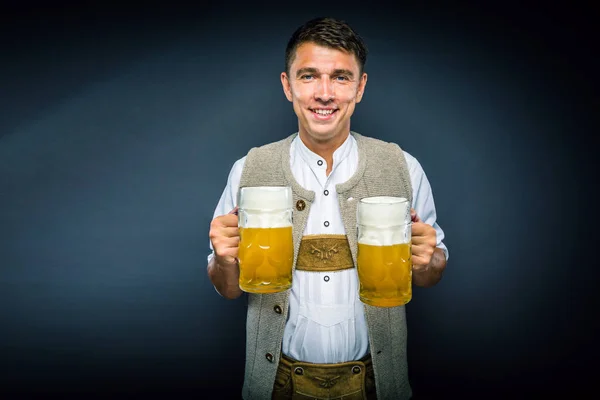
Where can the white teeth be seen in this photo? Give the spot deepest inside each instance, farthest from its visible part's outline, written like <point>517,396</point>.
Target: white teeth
<point>324,112</point>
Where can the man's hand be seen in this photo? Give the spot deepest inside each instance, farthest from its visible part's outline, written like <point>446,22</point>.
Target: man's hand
<point>225,238</point>
<point>223,269</point>
<point>428,261</point>
<point>424,241</point>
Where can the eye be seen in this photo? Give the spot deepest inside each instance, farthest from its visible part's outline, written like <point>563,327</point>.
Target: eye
<point>341,78</point>
<point>306,77</point>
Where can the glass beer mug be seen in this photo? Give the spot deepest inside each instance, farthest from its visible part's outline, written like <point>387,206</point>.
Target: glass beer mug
<point>266,250</point>
<point>384,251</point>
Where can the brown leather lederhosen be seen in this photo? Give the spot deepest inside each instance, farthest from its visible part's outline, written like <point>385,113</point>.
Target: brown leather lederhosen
<point>297,380</point>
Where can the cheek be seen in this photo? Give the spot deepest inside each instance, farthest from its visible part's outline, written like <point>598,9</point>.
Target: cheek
<point>348,95</point>
<point>301,95</point>
<point>350,107</point>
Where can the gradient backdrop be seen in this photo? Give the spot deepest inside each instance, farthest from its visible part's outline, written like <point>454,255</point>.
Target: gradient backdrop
<point>118,128</point>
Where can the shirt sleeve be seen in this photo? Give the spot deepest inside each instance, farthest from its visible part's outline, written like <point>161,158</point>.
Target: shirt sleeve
<point>423,202</point>
<point>228,199</point>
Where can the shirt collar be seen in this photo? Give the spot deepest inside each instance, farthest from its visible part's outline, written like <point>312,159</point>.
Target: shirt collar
<point>312,158</point>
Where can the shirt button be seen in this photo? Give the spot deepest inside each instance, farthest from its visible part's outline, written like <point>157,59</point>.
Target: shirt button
<point>326,223</point>
<point>320,162</point>
<point>326,278</point>
<point>326,192</point>
<point>269,357</point>
<point>277,309</point>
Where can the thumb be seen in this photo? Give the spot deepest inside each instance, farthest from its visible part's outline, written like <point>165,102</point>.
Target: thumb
<point>413,216</point>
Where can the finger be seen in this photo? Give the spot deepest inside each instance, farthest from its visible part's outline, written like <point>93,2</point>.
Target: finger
<point>423,252</point>
<point>221,233</point>
<point>413,216</point>
<point>222,242</point>
<point>230,250</point>
<point>422,229</point>
<point>424,240</point>
<point>228,232</point>
<point>223,245</point>
<point>227,220</point>
<point>420,260</point>
<point>226,259</point>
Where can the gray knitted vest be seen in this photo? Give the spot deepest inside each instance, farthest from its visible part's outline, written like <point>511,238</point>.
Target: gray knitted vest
<point>381,170</point>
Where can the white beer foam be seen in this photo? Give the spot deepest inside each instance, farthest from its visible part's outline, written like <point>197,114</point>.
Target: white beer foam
<point>265,198</point>
<point>384,221</point>
<point>265,206</point>
<point>383,236</point>
<point>263,219</point>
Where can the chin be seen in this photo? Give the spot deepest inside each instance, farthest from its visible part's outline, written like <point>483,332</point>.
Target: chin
<point>322,136</point>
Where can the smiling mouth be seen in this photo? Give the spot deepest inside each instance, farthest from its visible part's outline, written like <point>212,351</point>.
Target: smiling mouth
<point>322,112</point>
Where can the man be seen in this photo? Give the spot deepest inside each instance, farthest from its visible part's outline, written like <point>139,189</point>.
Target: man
<point>317,340</point>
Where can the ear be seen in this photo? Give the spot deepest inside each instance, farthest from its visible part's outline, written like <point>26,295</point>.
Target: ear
<point>361,87</point>
<point>287,89</point>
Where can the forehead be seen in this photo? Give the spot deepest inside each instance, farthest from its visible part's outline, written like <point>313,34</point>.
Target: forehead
<point>311,55</point>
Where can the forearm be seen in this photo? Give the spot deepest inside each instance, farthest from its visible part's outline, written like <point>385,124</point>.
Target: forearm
<point>225,279</point>
<point>430,274</point>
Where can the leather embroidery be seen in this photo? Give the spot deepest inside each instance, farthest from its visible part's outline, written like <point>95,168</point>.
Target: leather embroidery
<point>327,382</point>
<point>324,253</point>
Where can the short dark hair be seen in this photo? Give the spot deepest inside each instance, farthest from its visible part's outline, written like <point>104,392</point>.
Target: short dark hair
<point>327,32</point>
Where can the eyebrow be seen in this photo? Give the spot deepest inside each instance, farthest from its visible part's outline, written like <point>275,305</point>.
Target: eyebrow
<point>309,70</point>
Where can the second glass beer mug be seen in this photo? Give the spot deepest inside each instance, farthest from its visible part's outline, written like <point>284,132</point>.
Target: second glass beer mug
<point>266,250</point>
<point>384,251</point>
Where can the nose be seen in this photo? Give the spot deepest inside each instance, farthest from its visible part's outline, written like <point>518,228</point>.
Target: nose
<point>324,90</point>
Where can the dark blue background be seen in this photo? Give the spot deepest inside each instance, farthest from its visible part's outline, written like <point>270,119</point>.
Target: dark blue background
<point>118,127</point>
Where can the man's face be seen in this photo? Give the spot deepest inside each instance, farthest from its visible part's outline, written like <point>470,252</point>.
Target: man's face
<point>324,87</point>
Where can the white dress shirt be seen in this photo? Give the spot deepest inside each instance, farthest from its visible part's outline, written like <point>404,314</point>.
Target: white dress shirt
<point>326,321</point>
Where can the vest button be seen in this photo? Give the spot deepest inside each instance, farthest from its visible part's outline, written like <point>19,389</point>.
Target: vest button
<point>277,309</point>
<point>356,369</point>
<point>269,357</point>
<point>300,205</point>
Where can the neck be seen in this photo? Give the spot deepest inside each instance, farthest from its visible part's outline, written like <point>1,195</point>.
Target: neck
<point>324,148</point>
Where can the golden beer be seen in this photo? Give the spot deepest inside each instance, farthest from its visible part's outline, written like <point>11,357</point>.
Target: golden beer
<point>266,249</point>
<point>384,262</point>
<point>266,257</point>
<point>385,274</point>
